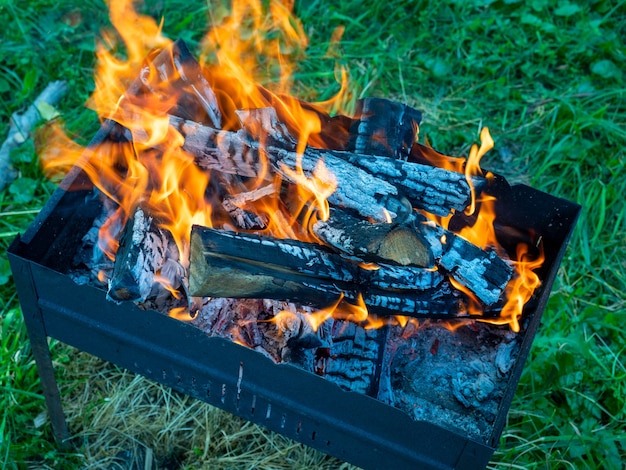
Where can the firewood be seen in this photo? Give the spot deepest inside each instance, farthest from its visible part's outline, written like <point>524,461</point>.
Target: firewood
<point>481,271</point>
<point>146,263</point>
<point>262,124</point>
<point>402,278</point>
<point>399,243</point>
<point>444,302</point>
<point>366,184</point>
<point>484,272</point>
<point>141,252</point>
<point>236,153</point>
<point>384,127</point>
<point>447,190</point>
<point>432,189</point>
<point>298,258</point>
<point>226,264</point>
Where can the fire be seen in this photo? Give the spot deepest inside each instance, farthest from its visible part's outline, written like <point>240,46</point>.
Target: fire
<point>482,233</point>
<point>156,172</point>
<point>521,288</point>
<point>142,86</point>
<point>472,166</point>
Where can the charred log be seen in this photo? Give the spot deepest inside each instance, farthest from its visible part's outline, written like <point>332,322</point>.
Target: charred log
<point>443,302</point>
<point>226,264</point>
<point>432,189</point>
<point>147,263</point>
<point>384,127</point>
<point>366,184</point>
<point>482,271</point>
<point>426,244</point>
<point>142,250</point>
<point>399,243</point>
<point>402,278</point>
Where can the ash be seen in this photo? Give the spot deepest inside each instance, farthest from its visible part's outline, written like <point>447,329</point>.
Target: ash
<point>454,379</point>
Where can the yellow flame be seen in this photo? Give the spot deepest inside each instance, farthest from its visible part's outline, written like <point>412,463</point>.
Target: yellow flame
<point>472,166</point>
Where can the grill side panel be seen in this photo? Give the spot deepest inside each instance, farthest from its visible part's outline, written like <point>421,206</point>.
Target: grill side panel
<point>283,398</point>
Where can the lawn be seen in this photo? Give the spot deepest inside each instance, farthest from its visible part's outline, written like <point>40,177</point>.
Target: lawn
<point>547,78</point>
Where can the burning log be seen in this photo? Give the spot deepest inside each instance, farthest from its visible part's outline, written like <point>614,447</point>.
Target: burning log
<point>226,264</point>
<point>402,278</point>
<point>293,258</point>
<point>236,153</point>
<point>396,242</point>
<point>481,271</point>
<point>141,253</point>
<point>146,264</point>
<point>384,127</point>
<point>360,186</point>
<point>376,187</point>
<point>432,189</point>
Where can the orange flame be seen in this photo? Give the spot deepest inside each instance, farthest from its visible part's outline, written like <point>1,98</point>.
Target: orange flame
<point>152,170</point>
<point>472,166</point>
<point>520,289</point>
<point>156,172</point>
<point>482,233</point>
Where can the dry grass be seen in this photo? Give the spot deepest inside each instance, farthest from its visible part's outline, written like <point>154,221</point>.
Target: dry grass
<point>121,420</point>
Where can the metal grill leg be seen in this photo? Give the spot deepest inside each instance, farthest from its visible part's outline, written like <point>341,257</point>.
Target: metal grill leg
<point>43,359</point>
<point>33,319</point>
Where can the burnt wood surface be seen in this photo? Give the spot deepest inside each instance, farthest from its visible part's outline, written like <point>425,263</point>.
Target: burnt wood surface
<point>484,272</point>
<point>227,264</point>
<point>395,242</point>
<point>384,127</point>
<point>141,253</point>
<point>373,186</point>
<point>147,266</point>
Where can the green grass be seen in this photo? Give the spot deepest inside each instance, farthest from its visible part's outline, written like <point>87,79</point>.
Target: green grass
<point>547,78</point>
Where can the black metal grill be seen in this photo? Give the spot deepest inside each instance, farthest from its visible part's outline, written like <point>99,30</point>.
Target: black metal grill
<point>281,397</point>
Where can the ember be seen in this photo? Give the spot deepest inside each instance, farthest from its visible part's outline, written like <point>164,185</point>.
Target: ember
<point>334,243</point>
